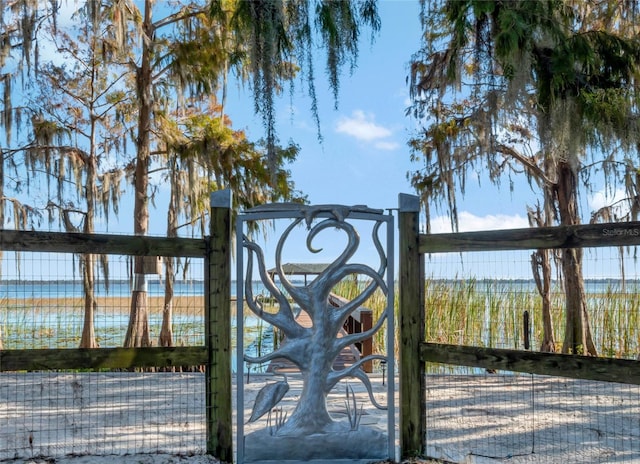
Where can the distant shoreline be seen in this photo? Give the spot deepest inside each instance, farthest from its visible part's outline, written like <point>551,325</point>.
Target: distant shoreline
<point>192,305</point>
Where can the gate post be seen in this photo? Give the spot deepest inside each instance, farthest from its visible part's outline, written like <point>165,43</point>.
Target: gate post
<point>219,430</point>
<point>412,329</point>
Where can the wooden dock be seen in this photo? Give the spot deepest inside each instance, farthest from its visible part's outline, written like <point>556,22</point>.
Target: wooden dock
<point>359,321</point>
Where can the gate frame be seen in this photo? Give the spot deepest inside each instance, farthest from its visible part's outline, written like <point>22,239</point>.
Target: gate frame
<point>282,211</point>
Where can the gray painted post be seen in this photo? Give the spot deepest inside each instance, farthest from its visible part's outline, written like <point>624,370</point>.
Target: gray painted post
<point>412,329</point>
<point>218,329</point>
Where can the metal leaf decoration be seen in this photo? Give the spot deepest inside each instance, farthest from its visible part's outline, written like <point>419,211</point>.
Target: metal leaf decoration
<point>267,398</point>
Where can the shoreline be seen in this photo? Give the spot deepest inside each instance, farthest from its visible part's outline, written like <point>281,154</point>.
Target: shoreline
<point>182,304</point>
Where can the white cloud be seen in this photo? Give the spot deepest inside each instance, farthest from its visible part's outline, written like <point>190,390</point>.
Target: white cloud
<point>470,222</point>
<point>603,198</point>
<point>362,126</point>
<point>386,145</point>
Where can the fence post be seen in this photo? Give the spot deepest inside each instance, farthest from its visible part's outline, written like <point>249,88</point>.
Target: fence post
<point>218,329</point>
<point>412,329</point>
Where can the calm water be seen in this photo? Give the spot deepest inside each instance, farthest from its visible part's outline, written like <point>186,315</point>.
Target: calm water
<point>155,287</point>
<point>24,327</point>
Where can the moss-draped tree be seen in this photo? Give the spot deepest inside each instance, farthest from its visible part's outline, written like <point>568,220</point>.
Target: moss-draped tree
<point>265,36</point>
<point>545,88</point>
<point>176,52</point>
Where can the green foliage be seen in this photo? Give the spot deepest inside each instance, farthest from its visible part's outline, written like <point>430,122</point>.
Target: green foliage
<point>279,38</point>
<point>568,71</point>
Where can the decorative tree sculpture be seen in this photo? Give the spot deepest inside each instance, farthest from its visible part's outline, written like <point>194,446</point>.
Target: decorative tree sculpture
<point>314,349</point>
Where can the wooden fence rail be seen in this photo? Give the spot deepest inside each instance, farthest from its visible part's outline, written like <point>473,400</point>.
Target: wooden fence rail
<point>555,364</point>
<point>134,245</point>
<point>101,358</point>
<point>576,236</point>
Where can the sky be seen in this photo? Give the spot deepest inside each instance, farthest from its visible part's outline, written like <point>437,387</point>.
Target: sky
<point>363,158</point>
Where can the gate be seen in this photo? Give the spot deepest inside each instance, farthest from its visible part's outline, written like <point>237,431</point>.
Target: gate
<point>313,403</point>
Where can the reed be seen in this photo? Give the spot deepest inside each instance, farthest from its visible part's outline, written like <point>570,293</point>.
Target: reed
<point>350,289</point>
<point>471,312</point>
<point>490,313</point>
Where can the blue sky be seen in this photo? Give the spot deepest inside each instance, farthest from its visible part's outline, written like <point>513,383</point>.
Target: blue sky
<point>364,157</point>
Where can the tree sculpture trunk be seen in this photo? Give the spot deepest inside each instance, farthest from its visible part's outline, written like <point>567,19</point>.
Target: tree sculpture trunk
<point>577,338</point>
<point>311,414</point>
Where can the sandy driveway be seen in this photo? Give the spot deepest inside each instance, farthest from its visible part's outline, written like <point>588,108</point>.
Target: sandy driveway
<point>92,417</point>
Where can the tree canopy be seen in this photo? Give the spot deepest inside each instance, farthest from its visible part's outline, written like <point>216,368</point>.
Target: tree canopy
<point>548,89</point>
<point>137,91</point>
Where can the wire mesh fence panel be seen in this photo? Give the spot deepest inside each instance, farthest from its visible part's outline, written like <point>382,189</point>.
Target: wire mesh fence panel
<point>482,299</point>
<point>522,418</point>
<point>125,411</point>
<point>43,303</point>
<point>54,414</point>
<point>479,299</point>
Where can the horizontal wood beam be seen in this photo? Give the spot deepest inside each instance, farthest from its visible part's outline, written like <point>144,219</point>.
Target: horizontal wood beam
<point>101,358</point>
<point>554,364</point>
<point>62,242</point>
<point>577,236</point>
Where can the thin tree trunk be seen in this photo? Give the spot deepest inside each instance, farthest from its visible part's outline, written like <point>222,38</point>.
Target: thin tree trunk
<point>541,265</point>
<point>88,339</point>
<point>138,330</point>
<point>577,339</point>
<point>166,332</point>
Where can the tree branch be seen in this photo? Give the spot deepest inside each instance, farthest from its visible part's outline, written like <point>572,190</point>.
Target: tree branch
<point>284,319</point>
<point>526,162</point>
<point>347,340</point>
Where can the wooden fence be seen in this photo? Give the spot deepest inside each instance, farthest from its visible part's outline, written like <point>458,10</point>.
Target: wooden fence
<point>215,355</point>
<point>415,352</point>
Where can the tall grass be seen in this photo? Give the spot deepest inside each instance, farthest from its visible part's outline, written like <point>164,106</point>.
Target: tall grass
<point>377,302</point>
<point>490,313</point>
<point>470,312</point>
